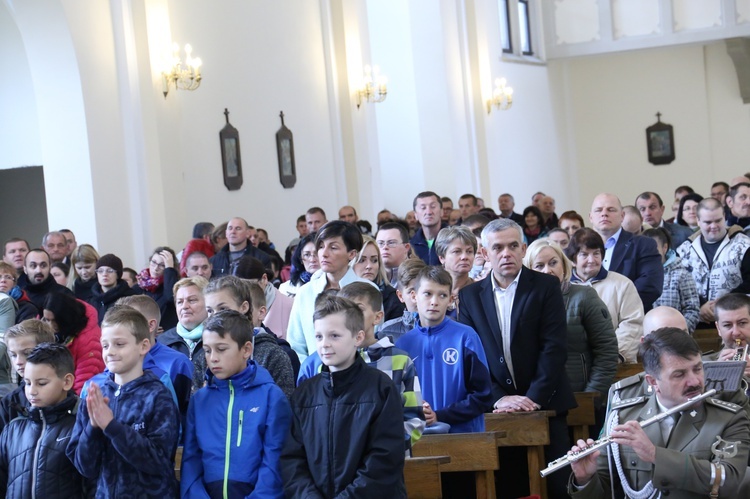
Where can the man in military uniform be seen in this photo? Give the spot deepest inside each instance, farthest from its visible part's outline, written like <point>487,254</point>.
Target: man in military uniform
<point>675,455</point>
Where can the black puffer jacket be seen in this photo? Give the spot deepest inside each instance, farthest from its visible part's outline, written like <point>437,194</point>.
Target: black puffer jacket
<point>350,424</point>
<point>32,451</point>
<point>104,300</point>
<point>13,405</point>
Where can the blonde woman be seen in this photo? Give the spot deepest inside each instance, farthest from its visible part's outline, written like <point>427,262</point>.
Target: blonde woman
<point>369,265</point>
<point>592,343</point>
<point>83,271</point>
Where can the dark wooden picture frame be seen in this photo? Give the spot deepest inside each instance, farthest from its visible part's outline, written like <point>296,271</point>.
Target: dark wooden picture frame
<point>660,142</point>
<point>229,140</point>
<point>285,153</point>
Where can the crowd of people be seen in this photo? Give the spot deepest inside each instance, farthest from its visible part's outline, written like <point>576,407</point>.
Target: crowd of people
<point>315,372</point>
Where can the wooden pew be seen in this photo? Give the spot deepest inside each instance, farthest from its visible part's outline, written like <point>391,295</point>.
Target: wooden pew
<point>525,429</point>
<point>583,416</point>
<point>475,452</point>
<point>627,370</point>
<point>422,476</point>
<point>178,463</point>
<point>708,339</point>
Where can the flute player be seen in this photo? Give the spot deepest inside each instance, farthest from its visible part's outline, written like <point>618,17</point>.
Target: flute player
<point>672,457</point>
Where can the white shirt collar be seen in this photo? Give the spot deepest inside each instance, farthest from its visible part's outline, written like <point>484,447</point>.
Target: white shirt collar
<point>496,286</point>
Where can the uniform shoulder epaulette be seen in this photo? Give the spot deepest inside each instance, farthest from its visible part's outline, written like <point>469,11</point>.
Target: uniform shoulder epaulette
<point>628,402</point>
<point>727,406</point>
<point>629,381</point>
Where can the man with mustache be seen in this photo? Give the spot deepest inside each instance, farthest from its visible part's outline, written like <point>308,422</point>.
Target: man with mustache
<point>672,457</point>
<point>37,281</point>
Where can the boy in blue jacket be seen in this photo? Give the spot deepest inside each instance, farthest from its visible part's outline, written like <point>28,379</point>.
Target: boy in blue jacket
<point>127,427</point>
<point>450,360</point>
<point>238,422</point>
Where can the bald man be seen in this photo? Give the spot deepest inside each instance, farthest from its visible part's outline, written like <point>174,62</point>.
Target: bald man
<point>348,214</point>
<point>660,317</point>
<point>635,257</point>
<point>238,245</point>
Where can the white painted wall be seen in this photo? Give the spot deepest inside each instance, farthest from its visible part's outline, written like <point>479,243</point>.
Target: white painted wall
<point>614,98</point>
<point>145,169</point>
<point>20,142</point>
<point>527,146</point>
<point>259,58</point>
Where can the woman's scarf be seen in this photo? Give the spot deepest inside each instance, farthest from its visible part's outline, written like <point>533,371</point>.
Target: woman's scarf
<point>148,283</point>
<point>193,335</point>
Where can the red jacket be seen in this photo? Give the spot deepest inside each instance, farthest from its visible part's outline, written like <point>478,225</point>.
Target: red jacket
<point>87,349</point>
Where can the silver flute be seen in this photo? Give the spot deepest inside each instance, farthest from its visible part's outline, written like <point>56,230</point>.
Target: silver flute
<point>572,457</point>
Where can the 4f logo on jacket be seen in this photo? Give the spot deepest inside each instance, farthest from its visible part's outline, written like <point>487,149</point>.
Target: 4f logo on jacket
<point>450,356</point>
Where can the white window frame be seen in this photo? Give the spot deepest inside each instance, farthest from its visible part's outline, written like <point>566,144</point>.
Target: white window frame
<point>535,33</point>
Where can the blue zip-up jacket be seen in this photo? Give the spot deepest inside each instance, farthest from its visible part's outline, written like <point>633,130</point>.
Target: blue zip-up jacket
<point>134,456</point>
<point>235,432</point>
<point>452,370</point>
<point>180,370</point>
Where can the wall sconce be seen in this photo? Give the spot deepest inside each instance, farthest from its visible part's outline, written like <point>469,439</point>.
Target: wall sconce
<point>374,86</point>
<point>502,96</point>
<point>185,76</point>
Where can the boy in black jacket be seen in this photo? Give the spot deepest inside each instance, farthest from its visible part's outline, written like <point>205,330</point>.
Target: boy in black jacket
<point>32,447</point>
<point>348,420</point>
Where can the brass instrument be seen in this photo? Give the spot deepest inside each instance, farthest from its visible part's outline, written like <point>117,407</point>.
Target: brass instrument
<point>571,457</point>
<point>740,352</point>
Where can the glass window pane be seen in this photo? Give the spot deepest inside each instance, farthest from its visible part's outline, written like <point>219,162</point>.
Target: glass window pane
<point>525,29</point>
<point>505,26</point>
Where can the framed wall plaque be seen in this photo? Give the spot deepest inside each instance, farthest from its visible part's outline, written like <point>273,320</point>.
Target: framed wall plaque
<point>229,138</point>
<point>285,151</point>
<point>660,142</point>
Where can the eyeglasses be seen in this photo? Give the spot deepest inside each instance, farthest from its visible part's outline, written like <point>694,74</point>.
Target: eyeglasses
<point>6,277</point>
<point>308,256</point>
<point>391,243</point>
<point>102,271</point>
<point>158,265</point>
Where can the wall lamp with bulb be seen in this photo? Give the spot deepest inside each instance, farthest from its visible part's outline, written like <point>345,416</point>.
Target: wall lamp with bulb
<point>182,75</point>
<point>374,86</point>
<point>502,96</point>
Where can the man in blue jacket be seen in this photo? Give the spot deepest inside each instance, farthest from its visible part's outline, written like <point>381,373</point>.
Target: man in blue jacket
<point>428,207</point>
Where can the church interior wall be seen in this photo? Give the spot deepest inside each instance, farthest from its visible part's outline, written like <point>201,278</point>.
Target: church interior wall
<point>576,128</point>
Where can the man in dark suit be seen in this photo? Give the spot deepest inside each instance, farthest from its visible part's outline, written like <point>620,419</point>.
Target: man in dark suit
<point>520,317</point>
<point>651,207</point>
<point>506,203</point>
<point>635,257</point>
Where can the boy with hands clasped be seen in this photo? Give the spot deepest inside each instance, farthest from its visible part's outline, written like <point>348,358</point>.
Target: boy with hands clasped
<point>126,430</point>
